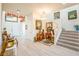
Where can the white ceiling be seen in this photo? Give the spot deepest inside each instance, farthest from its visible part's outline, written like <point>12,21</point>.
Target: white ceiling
<point>27,8</point>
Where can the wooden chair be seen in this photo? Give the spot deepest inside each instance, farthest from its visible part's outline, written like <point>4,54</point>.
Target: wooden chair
<point>4,45</point>
<point>49,35</point>
<point>39,36</point>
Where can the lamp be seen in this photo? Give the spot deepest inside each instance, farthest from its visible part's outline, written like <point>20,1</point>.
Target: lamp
<point>18,11</point>
<point>20,17</point>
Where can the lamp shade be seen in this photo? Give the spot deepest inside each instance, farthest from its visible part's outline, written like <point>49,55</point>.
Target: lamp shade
<point>21,18</point>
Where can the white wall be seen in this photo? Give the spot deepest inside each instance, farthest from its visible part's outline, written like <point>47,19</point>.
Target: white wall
<point>63,22</point>
<point>30,31</point>
<point>69,24</point>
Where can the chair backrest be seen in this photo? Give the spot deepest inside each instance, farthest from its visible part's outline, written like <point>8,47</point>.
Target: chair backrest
<point>4,45</point>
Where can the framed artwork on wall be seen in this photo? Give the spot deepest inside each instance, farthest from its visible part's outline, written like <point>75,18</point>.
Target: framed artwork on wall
<point>11,19</point>
<point>49,25</point>
<point>72,15</point>
<point>38,24</point>
<point>57,15</point>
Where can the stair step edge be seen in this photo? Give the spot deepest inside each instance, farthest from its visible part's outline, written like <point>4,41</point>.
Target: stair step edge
<point>69,43</point>
<point>68,47</point>
<point>69,40</point>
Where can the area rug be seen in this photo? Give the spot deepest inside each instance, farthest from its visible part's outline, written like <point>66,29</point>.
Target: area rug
<point>45,42</point>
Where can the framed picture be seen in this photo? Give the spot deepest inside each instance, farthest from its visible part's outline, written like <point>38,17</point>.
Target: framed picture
<point>57,15</point>
<point>72,15</point>
<point>11,19</point>
<point>38,24</point>
<point>49,25</point>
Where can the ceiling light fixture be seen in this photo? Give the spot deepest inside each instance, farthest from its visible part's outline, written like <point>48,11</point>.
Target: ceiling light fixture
<point>18,11</point>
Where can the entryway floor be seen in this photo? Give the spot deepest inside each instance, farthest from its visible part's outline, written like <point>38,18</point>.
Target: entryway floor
<point>27,47</point>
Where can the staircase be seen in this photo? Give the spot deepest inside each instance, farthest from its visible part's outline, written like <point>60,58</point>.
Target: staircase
<point>69,39</point>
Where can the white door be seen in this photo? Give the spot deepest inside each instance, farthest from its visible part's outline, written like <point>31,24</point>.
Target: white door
<point>29,30</point>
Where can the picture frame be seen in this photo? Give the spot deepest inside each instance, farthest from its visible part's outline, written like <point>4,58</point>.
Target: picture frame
<point>57,15</point>
<point>49,25</point>
<point>72,15</point>
<point>11,19</point>
<point>38,24</point>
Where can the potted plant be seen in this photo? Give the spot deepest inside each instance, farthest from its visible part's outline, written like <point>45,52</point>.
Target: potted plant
<point>77,27</point>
